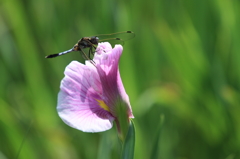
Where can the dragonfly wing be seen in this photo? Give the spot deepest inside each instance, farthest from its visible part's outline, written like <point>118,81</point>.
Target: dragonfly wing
<point>124,36</point>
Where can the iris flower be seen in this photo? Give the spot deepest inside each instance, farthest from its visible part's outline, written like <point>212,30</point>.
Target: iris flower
<point>92,96</point>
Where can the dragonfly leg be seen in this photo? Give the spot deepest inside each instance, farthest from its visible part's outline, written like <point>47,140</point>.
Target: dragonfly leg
<point>90,52</point>
<point>86,57</point>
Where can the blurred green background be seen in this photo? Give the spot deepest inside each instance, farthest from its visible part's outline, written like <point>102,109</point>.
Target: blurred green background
<point>181,72</point>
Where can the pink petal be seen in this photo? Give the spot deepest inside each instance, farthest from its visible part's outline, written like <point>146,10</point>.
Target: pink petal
<point>77,99</point>
<point>113,89</point>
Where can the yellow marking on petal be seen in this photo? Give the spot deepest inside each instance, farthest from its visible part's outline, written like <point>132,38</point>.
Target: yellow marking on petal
<point>103,105</point>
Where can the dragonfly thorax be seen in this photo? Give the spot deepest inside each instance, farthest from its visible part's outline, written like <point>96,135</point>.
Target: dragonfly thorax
<point>86,42</point>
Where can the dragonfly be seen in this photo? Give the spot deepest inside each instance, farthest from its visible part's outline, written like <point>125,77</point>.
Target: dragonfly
<point>92,42</point>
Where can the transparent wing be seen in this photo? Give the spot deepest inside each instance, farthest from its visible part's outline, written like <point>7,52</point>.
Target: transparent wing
<point>119,36</point>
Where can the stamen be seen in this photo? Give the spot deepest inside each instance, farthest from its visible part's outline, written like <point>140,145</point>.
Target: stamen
<point>103,105</point>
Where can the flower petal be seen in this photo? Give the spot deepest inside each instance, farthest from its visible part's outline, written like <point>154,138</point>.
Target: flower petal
<point>78,98</point>
<point>112,85</point>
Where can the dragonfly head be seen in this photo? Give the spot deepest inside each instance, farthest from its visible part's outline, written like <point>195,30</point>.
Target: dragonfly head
<point>94,40</point>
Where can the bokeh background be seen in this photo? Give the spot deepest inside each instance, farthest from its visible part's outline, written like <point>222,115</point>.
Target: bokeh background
<point>181,72</point>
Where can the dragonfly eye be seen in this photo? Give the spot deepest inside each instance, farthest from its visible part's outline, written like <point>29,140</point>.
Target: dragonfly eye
<point>94,40</point>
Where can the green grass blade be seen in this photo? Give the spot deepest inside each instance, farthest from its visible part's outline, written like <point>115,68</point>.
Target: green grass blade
<point>129,144</point>
<point>155,146</point>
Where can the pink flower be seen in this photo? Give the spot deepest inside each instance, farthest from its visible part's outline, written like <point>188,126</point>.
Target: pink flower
<point>92,97</point>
